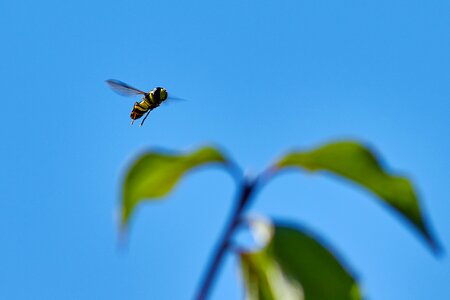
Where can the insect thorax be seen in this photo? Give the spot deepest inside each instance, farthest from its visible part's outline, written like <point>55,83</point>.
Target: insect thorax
<point>149,101</point>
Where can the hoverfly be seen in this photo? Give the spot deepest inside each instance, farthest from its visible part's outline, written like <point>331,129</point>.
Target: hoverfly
<point>150,100</point>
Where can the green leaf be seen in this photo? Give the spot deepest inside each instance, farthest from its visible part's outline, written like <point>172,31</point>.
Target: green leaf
<point>294,266</point>
<point>154,174</point>
<point>358,164</point>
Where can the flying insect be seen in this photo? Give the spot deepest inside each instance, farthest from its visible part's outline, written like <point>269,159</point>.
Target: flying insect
<point>149,102</point>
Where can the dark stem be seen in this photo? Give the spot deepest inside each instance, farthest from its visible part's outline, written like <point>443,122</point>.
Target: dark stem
<point>244,196</point>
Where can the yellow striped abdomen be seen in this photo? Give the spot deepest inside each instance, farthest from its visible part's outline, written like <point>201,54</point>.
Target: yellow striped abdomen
<point>149,102</point>
<point>139,109</point>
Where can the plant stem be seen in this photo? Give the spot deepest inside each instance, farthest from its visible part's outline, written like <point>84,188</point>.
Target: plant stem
<point>244,196</point>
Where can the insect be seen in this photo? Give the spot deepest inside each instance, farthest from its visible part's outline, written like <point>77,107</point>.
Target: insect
<point>150,100</point>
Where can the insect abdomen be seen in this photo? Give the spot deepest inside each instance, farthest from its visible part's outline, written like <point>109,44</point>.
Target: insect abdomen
<point>139,110</point>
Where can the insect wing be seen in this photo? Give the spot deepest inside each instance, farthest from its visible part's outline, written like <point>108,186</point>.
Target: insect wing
<point>123,89</point>
<point>176,98</point>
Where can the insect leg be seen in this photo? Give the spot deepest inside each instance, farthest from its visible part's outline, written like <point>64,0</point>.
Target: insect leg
<point>142,123</point>
<point>133,116</point>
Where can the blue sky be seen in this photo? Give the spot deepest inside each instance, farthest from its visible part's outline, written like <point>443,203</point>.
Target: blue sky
<point>261,77</point>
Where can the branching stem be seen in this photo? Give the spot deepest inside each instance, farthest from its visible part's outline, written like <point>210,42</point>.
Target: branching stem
<point>245,193</point>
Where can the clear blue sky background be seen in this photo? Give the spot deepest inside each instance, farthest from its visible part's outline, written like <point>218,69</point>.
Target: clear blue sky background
<point>261,77</point>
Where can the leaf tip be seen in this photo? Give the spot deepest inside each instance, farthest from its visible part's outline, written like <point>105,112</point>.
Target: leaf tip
<point>437,249</point>
<point>429,237</point>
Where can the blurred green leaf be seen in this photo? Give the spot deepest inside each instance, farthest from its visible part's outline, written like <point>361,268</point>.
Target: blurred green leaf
<point>294,266</point>
<point>154,174</point>
<point>356,163</point>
